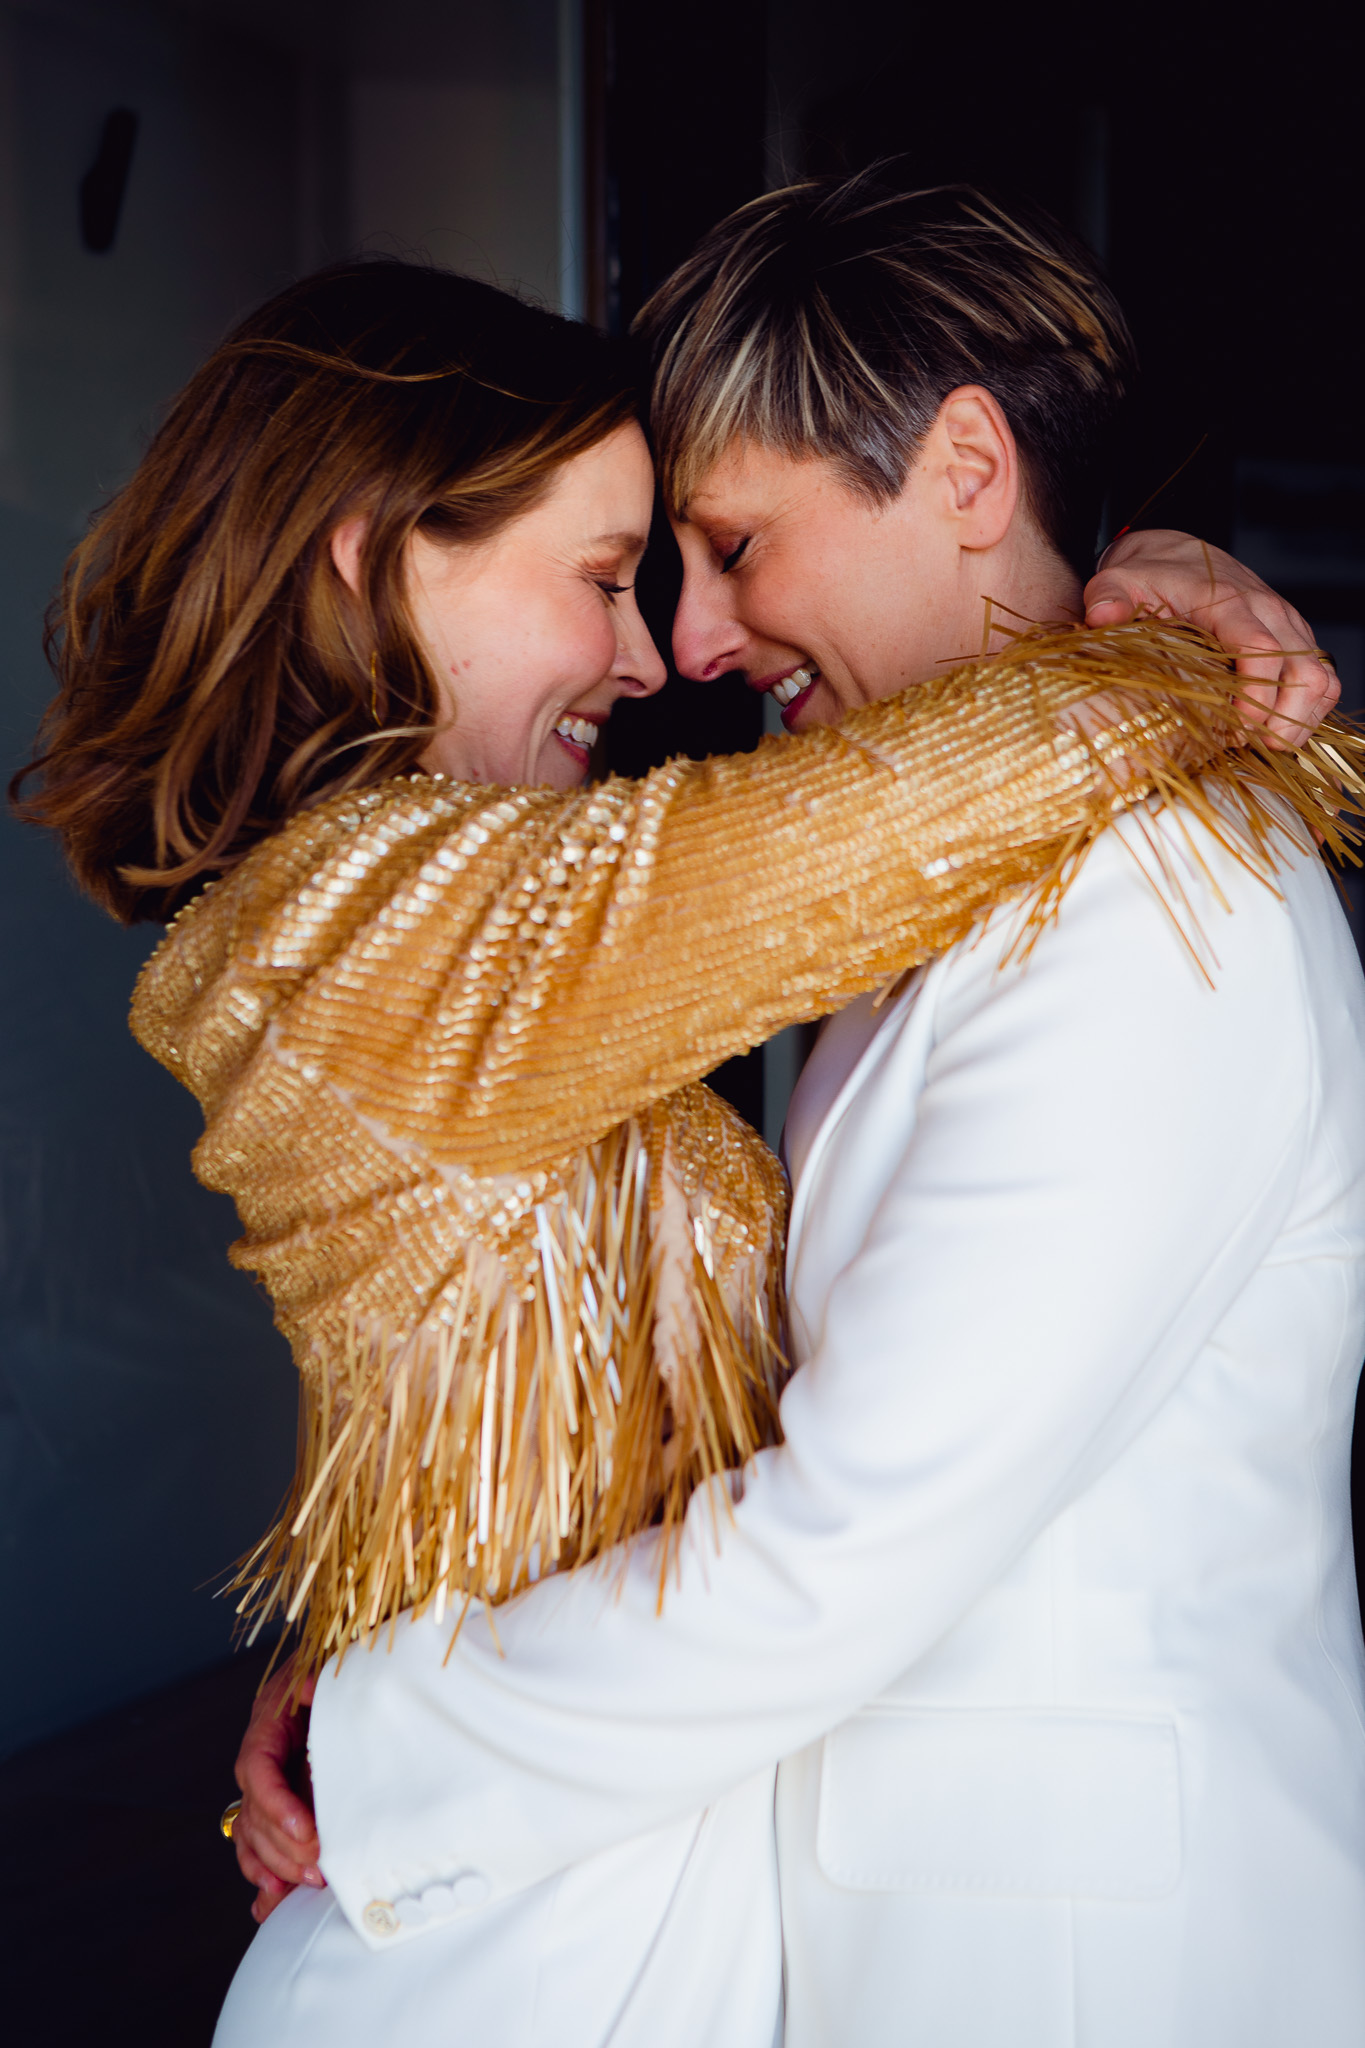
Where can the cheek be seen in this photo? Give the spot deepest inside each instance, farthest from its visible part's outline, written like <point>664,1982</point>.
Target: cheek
<point>571,647</point>
<point>550,649</point>
<point>789,602</point>
<point>588,641</point>
<point>512,661</point>
<point>565,637</point>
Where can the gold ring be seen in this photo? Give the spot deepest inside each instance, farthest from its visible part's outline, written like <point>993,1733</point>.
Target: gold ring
<point>227,1820</point>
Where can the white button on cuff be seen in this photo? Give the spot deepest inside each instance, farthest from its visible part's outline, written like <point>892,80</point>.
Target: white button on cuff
<point>466,1888</point>
<point>471,1888</point>
<point>380,1918</point>
<point>411,1911</point>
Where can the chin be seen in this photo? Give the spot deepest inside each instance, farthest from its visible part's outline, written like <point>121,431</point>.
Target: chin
<point>822,707</point>
<point>559,769</point>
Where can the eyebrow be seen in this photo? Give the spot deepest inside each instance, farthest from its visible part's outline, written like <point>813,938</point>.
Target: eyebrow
<point>696,508</point>
<point>627,542</point>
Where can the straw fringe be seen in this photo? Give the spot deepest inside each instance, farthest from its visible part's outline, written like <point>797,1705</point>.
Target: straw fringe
<point>1175,735</point>
<point>533,1430</point>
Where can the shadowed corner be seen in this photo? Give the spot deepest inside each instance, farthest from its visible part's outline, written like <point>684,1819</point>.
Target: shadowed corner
<point>112,1829</point>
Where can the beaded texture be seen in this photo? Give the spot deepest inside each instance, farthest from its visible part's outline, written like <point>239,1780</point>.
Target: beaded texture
<point>448,1043</point>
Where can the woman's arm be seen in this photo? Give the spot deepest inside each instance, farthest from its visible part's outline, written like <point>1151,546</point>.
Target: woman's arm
<point>500,978</point>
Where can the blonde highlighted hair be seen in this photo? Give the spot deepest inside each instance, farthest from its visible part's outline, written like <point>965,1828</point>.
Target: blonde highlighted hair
<point>833,317</point>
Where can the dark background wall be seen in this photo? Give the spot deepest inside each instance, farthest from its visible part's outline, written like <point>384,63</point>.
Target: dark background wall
<point>144,1409</point>
<point>1211,153</point>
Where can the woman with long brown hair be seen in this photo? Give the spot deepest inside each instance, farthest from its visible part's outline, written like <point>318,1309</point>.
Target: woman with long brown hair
<point>331,668</point>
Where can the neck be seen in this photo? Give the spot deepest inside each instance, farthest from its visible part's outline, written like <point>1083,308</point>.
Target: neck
<point>1024,577</point>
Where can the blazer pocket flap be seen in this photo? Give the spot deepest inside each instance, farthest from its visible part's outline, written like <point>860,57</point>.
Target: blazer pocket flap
<point>1001,1800</point>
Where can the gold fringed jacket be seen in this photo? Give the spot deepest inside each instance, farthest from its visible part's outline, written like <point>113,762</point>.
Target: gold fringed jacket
<point>448,1044</point>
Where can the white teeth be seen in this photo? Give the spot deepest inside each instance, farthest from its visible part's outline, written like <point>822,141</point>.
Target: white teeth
<point>789,689</point>
<point>581,731</point>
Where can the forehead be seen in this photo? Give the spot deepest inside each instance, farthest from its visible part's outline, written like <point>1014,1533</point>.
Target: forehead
<point>749,478</point>
<point>620,458</point>
<point>611,482</point>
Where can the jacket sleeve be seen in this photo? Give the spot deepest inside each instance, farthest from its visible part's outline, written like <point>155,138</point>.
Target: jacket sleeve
<point>1093,1169</point>
<point>500,977</point>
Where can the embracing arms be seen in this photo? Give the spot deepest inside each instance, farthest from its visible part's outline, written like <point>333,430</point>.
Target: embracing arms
<point>500,977</point>
<point>275,1838</point>
<point>1022,1294</point>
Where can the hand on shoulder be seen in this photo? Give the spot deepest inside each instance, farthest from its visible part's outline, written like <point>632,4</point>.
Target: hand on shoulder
<point>1291,687</point>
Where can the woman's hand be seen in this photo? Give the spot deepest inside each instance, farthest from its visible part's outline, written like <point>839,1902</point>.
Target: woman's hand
<point>274,1835</point>
<point>1290,690</point>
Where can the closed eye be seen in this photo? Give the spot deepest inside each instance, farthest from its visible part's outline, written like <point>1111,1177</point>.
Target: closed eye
<point>611,591</point>
<point>733,557</point>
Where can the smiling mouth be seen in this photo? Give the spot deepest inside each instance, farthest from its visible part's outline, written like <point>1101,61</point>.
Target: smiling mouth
<point>789,692</point>
<point>580,735</point>
<point>787,689</point>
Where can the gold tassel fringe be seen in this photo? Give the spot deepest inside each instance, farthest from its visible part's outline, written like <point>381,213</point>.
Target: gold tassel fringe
<point>530,1430</point>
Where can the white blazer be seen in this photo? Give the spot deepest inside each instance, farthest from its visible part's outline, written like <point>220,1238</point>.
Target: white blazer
<point>1047,1598</point>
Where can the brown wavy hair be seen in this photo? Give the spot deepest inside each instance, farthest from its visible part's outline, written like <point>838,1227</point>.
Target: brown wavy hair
<point>215,672</point>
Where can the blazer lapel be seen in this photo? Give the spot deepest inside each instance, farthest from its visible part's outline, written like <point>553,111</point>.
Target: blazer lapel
<point>809,1166</point>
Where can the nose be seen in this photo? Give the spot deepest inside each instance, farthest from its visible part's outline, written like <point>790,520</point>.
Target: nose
<point>707,639</point>
<point>639,664</point>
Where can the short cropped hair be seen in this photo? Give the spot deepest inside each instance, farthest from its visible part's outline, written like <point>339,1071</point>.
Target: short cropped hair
<point>833,317</point>
<point>216,673</point>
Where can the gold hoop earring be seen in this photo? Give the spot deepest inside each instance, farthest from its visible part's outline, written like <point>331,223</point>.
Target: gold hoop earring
<point>374,687</point>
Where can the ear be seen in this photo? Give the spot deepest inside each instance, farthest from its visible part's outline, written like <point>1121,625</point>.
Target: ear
<point>979,464</point>
<point>348,543</point>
